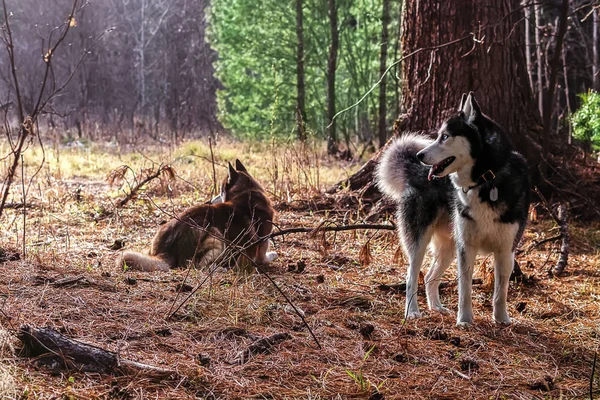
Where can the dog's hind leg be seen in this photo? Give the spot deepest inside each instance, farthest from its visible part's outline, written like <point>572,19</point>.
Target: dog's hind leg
<point>504,262</point>
<point>416,253</point>
<point>443,248</point>
<point>466,260</point>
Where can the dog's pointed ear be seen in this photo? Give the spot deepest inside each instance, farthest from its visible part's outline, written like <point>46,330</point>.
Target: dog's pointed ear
<point>471,108</point>
<point>232,173</point>
<point>462,101</point>
<point>239,166</point>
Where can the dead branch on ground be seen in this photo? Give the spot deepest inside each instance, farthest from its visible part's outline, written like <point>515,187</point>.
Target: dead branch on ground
<point>58,351</point>
<point>318,229</point>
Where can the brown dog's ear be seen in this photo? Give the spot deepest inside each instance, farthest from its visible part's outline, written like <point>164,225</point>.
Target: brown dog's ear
<point>239,166</point>
<point>232,173</point>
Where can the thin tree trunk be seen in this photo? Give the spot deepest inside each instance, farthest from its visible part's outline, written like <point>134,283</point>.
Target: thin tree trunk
<point>527,10</point>
<point>554,64</point>
<point>385,17</point>
<point>539,55</point>
<point>567,91</point>
<point>300,89</point>
<point>595,65</point>
<point>332,141</point>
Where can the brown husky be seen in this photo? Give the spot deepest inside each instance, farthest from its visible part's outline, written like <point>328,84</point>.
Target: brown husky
<point>241,215</point>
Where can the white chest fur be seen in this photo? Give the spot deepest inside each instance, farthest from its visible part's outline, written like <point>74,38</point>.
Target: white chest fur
<point>481,227</point>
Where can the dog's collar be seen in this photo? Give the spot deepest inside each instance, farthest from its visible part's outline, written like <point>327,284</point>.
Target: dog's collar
<point>487,176</point>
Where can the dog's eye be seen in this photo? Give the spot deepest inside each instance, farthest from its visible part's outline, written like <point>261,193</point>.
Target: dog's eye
<point>444,137</point>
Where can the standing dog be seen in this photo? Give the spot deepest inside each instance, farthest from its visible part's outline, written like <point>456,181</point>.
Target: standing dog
<point>482,208</point>
<point>241,215</point>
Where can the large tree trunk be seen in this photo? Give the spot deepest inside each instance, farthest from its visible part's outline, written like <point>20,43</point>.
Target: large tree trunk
<point>489,61</point>
<point>332,147</point>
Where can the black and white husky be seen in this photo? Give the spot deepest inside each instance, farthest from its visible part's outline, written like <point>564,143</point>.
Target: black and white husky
<point>482,208</point>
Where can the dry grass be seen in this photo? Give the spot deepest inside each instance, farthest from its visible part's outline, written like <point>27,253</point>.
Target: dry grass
<point>367,346</point>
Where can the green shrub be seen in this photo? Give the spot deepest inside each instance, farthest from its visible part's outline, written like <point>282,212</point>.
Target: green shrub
<point>586,120</point>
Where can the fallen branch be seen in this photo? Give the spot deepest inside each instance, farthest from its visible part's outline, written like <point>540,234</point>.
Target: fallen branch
<point>263,345</point>
<point>58,351</point>
<point>401,287</point>
<point>563,258</point>
<point>538,243</point>
<point>318,229</point>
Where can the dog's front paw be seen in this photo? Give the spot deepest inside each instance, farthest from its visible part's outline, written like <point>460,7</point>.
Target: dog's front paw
<point>271,256</point>
<point>464,320</point>
<point>413,315</point>
<point>442,310</point>
<point>503,320</point>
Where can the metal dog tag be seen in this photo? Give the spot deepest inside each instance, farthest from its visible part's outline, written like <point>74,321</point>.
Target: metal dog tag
<point>494,194</point>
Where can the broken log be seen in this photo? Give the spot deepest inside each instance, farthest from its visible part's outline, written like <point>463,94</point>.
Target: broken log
<point>56,351</point>
<point>263,345</point>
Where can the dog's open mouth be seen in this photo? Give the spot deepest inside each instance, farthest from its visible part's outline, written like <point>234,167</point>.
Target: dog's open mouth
<point>439,168</point>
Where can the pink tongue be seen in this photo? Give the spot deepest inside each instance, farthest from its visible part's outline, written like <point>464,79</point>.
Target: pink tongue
<point>430,175</point>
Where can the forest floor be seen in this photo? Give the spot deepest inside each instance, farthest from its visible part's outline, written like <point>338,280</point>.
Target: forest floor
<point>67,280</point>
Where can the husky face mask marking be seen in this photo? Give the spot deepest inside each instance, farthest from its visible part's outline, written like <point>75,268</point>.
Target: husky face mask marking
<point>456,144</point>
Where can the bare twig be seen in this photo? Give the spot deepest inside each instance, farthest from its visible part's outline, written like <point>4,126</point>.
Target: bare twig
<point>592,376</point>
<point>212,162</point>
<point>24,203</point>
<point>382,77</point>
<point>162,169</point>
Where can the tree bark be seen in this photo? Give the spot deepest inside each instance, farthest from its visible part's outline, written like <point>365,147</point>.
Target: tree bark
<point>300,89</point>
<point>554,65</point>
<point>489,61</point>
<point>385,20</point>
<point>332,141</point>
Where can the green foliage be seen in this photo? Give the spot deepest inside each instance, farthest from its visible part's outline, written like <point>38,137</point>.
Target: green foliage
<point>256,45</point>
<point>586,120</point>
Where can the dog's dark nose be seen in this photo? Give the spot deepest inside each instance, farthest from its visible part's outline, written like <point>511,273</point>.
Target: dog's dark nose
<point>420,156</point>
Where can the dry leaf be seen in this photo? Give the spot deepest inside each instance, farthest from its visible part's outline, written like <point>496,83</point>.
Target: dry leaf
<point>364,257</point>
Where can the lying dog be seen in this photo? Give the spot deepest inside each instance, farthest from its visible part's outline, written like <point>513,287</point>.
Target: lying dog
<point>241,216</point>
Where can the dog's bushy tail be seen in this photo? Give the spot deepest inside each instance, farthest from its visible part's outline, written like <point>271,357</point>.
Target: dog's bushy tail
<point>399,166</point>
<point>142,262</point>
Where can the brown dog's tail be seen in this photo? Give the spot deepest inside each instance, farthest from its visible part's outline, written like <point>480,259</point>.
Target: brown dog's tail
<point>142,262</point>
